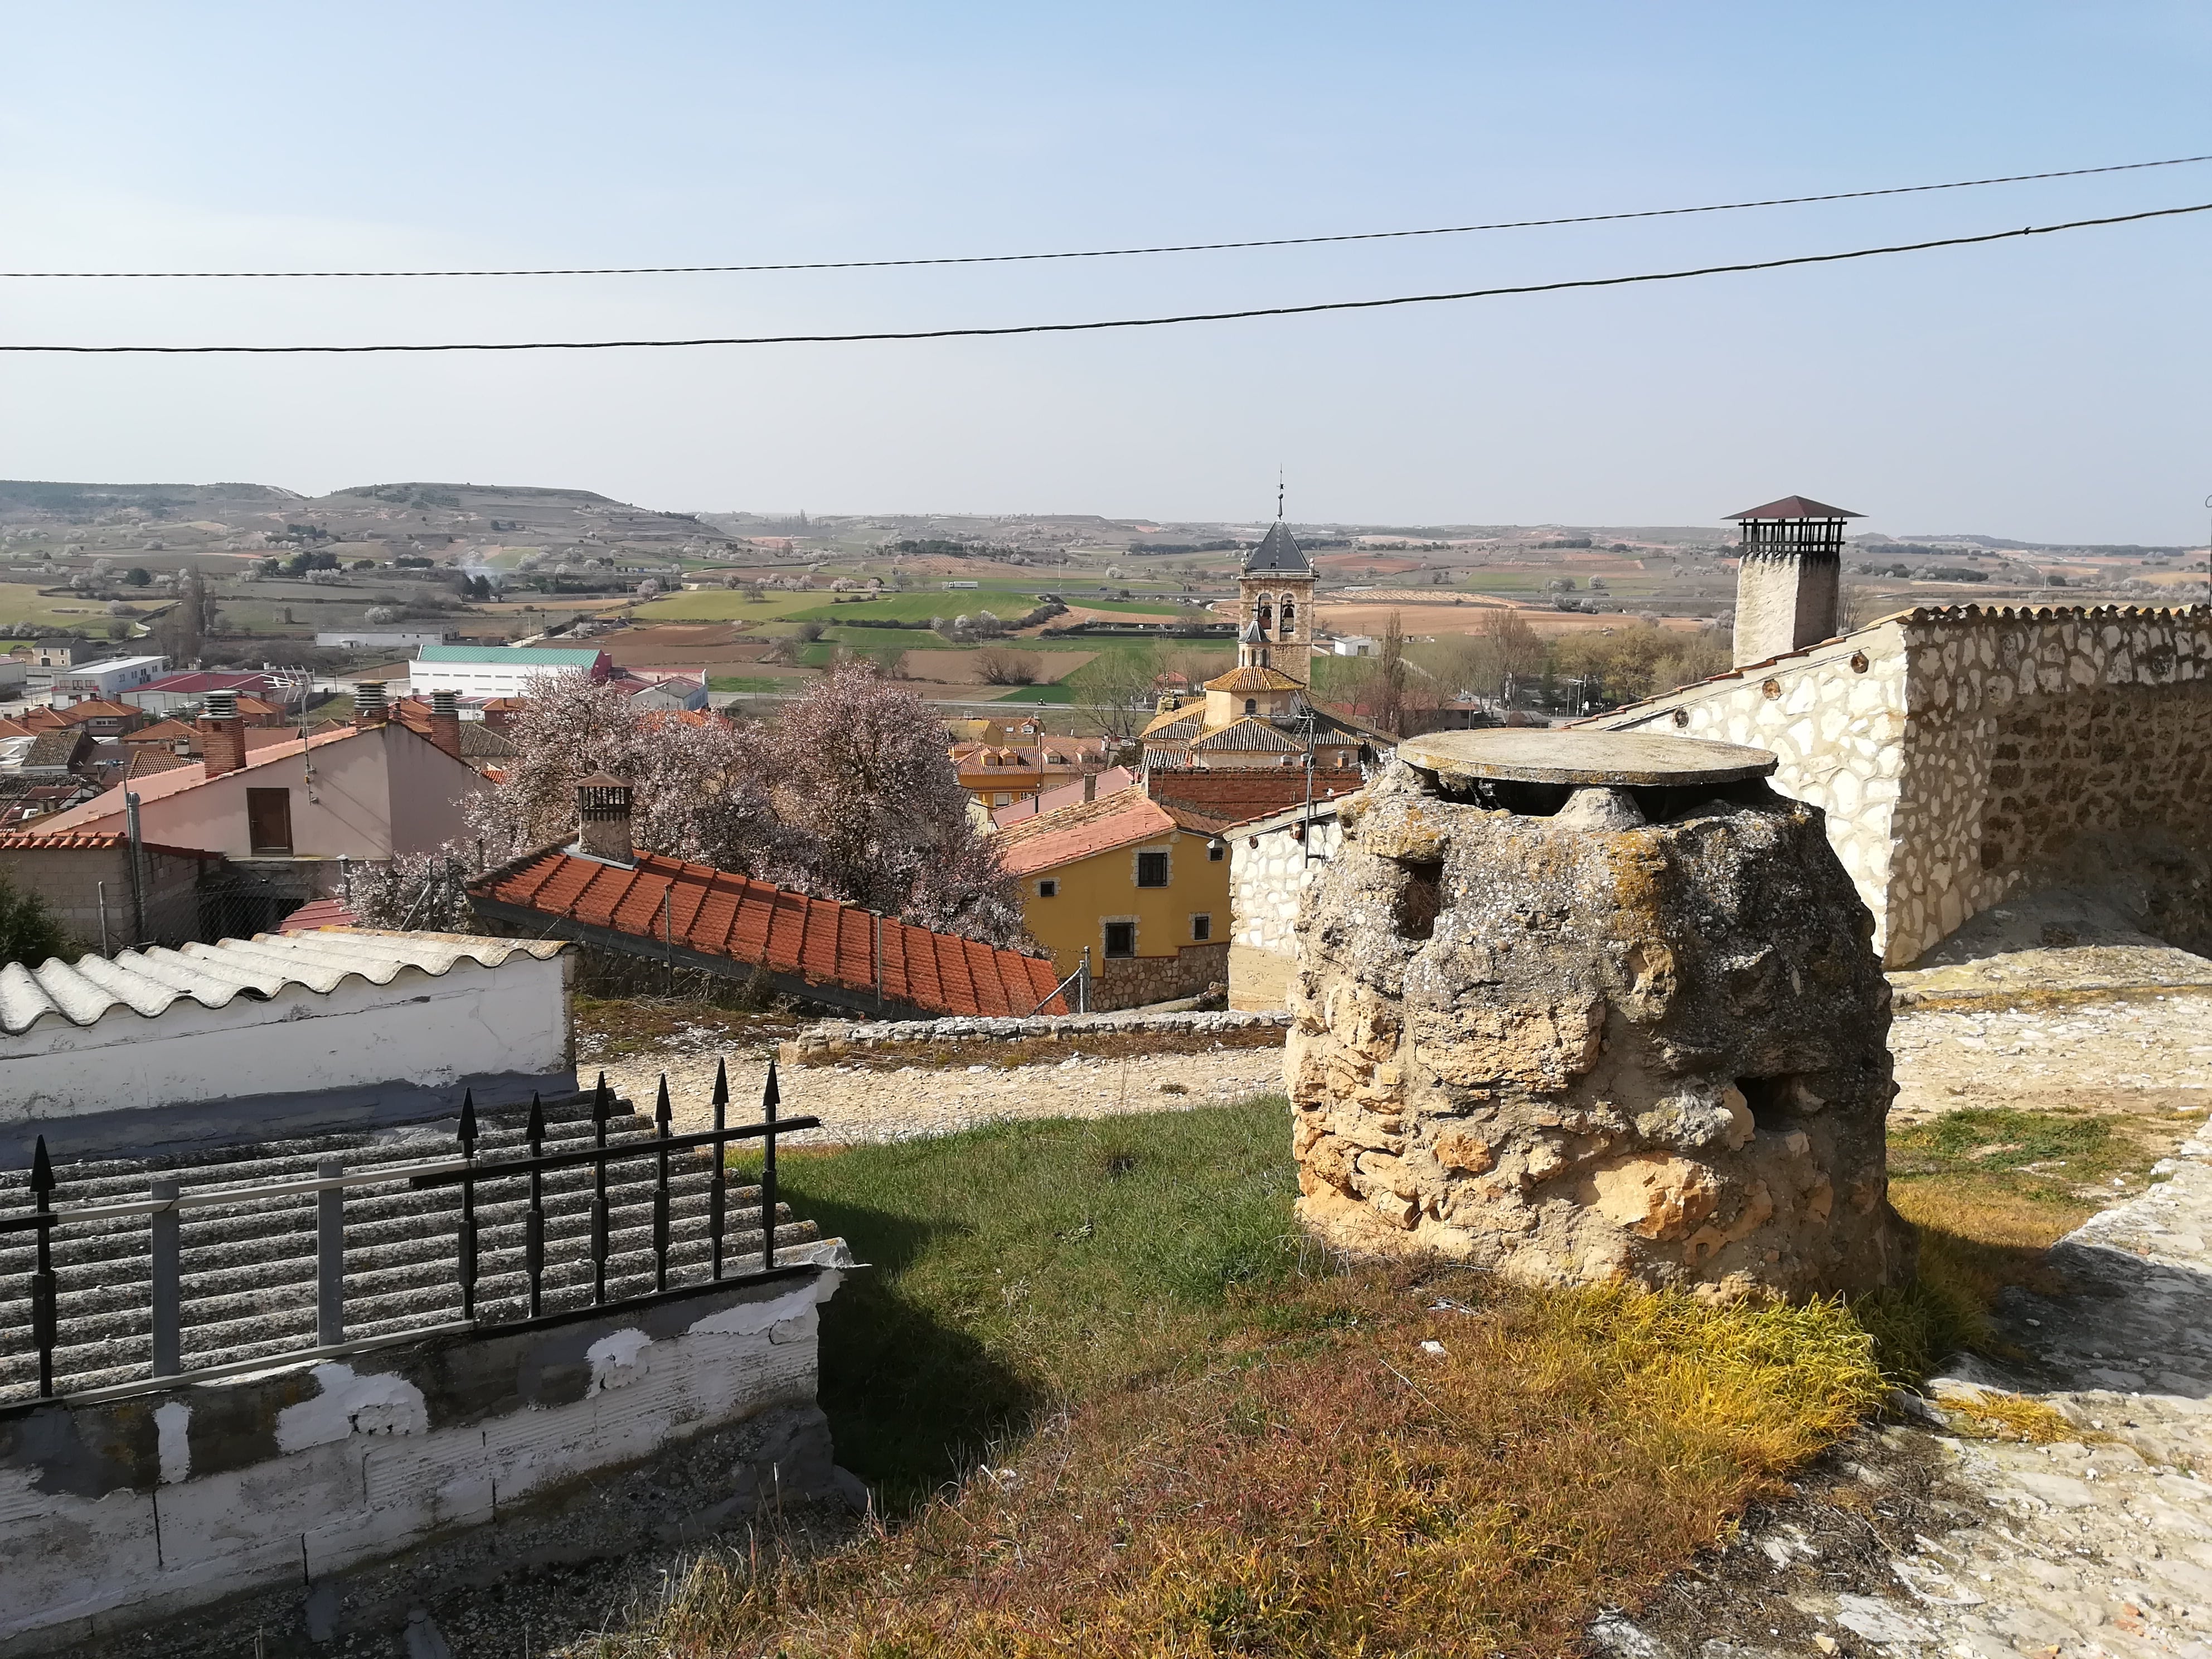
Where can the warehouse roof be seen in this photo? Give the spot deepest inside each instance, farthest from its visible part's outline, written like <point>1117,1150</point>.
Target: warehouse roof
<point>509,656</point>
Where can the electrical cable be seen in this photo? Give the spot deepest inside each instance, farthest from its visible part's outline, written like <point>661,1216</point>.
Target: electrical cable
<point>1111,253</point>
<point>1111,323</point>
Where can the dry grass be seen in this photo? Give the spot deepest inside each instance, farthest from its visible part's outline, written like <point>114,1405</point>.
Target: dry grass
<point>1002,1054</point>
<point>1996,1416</point>
<point>1209,1442</point>
<point>1335,1488</point>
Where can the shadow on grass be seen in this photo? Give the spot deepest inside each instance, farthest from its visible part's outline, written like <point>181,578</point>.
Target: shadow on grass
<point>911,1399</point>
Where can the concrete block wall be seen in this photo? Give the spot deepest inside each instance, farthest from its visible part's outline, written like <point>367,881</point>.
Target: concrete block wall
<point>115,1514</point>
<point>71,880</point>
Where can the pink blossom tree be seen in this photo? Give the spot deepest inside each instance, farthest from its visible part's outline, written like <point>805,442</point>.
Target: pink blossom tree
<point>851,796</point>
<point>697,785</point>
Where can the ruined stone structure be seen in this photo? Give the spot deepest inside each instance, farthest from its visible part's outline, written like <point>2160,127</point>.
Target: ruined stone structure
<point>1580,1009</point>
<point>1962,756</point>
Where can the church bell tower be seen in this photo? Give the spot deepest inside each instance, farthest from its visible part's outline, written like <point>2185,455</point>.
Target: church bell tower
<point>1274,594</point>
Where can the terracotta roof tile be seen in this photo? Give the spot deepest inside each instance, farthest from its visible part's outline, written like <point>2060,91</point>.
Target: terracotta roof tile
<point>89,841</point>
<point>718,912</point>
<point>1069,833</point>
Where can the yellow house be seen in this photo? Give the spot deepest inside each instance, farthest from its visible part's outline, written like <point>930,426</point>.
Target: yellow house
<point>1143,886</point>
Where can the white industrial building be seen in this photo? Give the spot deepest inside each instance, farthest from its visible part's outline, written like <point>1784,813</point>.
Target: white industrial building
<point>106,679</point>
<point>497,671</point>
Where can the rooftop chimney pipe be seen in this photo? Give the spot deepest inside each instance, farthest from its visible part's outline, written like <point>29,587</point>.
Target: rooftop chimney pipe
<point>603,815</point>
<point>370,706</point>
<point>446,722</point>
<point>223,734</point>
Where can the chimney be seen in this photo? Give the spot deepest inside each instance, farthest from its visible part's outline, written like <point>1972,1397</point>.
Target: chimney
<point>446,723</point>
<point>369,706</point>
<point>1090,786</point>
<point>1788,584</point>
<point>602,813</point>
<point>223,734</point>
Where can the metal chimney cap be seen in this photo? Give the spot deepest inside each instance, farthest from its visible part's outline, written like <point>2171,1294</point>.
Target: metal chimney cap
<point>222,706</point>
<point>1585,758</point>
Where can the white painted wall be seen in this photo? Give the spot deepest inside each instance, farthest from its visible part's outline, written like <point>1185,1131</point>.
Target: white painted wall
<point>423,1028</point>
<point>359,1473</point>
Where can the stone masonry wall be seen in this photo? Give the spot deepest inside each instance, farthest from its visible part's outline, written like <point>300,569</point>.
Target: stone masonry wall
<point>1834,717</point>
<point>1964,754</point>
<point>71,878</point>
<point>1268,875</point>
<point>2050,747</point>
<point>1135,981</point>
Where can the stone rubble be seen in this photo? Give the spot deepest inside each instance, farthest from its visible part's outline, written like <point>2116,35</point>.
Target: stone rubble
<point>857,1105</point>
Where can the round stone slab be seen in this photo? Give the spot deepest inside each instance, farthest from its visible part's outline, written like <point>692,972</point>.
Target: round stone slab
<point>1579,756</point>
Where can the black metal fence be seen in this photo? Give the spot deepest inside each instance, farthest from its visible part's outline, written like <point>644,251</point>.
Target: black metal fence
<point>50,1327</point>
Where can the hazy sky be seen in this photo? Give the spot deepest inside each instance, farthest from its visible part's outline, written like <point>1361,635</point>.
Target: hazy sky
<point>2049,388</point>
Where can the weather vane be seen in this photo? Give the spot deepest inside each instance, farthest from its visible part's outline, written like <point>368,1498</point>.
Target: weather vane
<point>1279,492</point>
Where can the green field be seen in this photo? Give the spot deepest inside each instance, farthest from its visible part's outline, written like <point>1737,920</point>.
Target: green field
<point>19,602</point>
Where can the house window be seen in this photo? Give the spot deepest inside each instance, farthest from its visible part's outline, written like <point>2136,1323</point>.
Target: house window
<point>1202,928</point>
<point>1001,799</point>
<point>1152,869</point>
<point>269,820</point>
<point>1048,888</point>
<point>1251,705</point>
<point>1120,939</point>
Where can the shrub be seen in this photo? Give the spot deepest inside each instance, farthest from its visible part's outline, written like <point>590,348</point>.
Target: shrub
<point>29,932</point>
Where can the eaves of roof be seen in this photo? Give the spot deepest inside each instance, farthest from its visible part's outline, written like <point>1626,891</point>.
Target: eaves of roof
<point>702,912</point>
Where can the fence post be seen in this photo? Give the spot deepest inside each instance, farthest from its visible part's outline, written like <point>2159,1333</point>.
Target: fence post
<point>1083,983</point>
<point>168,1287</point>
<point>601,1107</point>
<point>45,1316</point>
<point>769,1096</point>
<point>468,1252</point>
<point>661,1117</point>
<point>330,1256</point>
<point>718,1192</point>
<point>533,1223</point>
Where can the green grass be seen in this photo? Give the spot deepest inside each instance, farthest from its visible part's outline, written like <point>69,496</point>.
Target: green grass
<point>1016,1264</point>
<point>1201,1439</point>
<point>921,604</point>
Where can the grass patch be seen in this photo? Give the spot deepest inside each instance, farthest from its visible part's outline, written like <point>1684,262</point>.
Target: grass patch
<point>1113,1407</point>
<point>1990,1189</point>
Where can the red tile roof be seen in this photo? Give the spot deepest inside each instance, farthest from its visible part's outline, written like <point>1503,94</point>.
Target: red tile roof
<point>719,914</point>
<point>89,841</point>
<point>1052,839</point>
<point>318,912</point>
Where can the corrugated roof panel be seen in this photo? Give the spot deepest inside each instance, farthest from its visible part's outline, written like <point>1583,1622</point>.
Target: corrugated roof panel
<point>149,982</point>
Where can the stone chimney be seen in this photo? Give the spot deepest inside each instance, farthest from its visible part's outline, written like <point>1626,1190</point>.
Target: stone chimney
<point>369,707</point>
<point>446,723</point>
<point>1090,786</point>
<point>223,734</point>
<point>1787,587</point>
<point>602,813</point>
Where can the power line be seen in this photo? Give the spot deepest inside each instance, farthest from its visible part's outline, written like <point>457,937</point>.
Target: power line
<point>1113,323</point>
<point>1118,253</point>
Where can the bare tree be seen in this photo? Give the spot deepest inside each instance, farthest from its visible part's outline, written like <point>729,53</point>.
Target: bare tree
<point>1112,693</point>
<point>999,667</point>
<point>182,629</point>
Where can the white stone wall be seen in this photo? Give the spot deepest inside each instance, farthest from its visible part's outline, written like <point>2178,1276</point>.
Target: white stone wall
<point>1960,754</point>
<point>2030,730</point>
<point>1266,880</point>
<point>1834,718</point>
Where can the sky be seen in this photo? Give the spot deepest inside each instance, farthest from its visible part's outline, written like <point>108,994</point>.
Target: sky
<point>2052,388</point>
